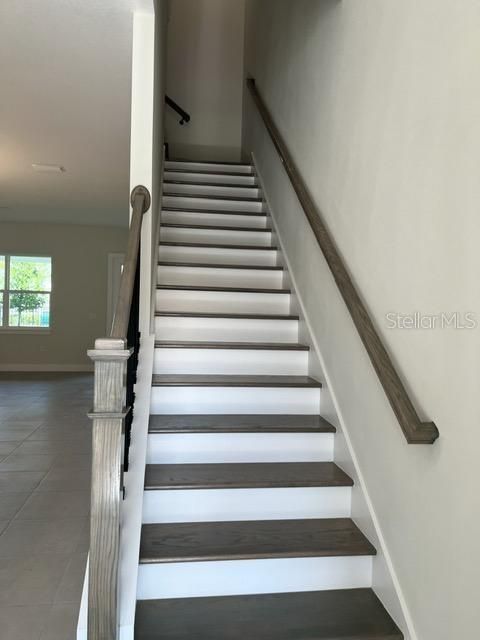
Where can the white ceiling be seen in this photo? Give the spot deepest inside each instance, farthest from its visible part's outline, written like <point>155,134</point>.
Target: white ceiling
<point>65,68</point>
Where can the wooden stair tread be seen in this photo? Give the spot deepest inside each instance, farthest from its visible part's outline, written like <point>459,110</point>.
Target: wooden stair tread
<point>243,423</point>
<point>189,380</point>
<point>188,287</point>
<point>208,173</point>
<point>228,185</point>
<point>242,540</point>
<point>234,316</point>
<point>245,475</point>
<point>344,614</point>
<point>210,265</point>
<point>246,346</point>
<point>247,247</point>
<point>171,209</point>
<point>202,196</point>
<point>174,225</point>
<point>217,162</point>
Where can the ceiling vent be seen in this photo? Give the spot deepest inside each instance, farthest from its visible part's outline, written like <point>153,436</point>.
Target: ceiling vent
<point>48,168</point>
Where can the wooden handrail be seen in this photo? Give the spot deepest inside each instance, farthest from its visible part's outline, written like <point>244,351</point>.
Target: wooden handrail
<point>115,359</point>
<point>415,431</point>
<point>140,201</point>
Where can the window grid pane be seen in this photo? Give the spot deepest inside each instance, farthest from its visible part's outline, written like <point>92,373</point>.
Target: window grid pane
<point>29,309</point>
<point>3,284</point>
<point>30,273</point>
<point>2,272</point>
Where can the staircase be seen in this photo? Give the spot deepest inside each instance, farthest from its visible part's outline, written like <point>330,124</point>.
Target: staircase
<point>246,530</point>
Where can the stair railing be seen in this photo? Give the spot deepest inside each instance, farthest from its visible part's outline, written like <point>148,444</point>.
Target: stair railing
<point>414,430</point>
<point>115,360</point>
<point>184,116</point>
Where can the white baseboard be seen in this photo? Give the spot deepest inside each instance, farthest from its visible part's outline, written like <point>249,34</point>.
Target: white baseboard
<point>67,368</point>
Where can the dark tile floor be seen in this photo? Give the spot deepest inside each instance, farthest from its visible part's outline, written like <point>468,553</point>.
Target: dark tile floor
<point>45,455</point>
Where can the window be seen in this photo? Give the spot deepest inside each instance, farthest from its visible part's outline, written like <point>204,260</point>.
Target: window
<point>25,290</point>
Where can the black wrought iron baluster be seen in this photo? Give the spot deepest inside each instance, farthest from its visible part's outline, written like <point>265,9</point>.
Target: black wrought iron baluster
<point>133,338</point>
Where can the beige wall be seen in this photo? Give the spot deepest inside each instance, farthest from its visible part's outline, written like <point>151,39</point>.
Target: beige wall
<point>79,296</point>
<point>204,76</point>
<point>379,102</point>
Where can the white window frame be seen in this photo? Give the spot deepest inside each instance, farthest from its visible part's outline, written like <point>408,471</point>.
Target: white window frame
<point>4,328</point>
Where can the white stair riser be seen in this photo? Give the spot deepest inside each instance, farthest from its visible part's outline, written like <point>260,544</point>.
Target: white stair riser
<point>213,255</point>
<point>220,219</point>
<point>220,277</point>
<point>230,361</point>
<point>213,448</point>
<point>209,166</point>
<point>207,203</point>
<point>228,400</point>
<point>207,190</point>
<point>217,178</point>
<point>228,505</point>
<point>236,577</point>
<point>226,329</point>
<point>222,301</point>
<point>216,236</point>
